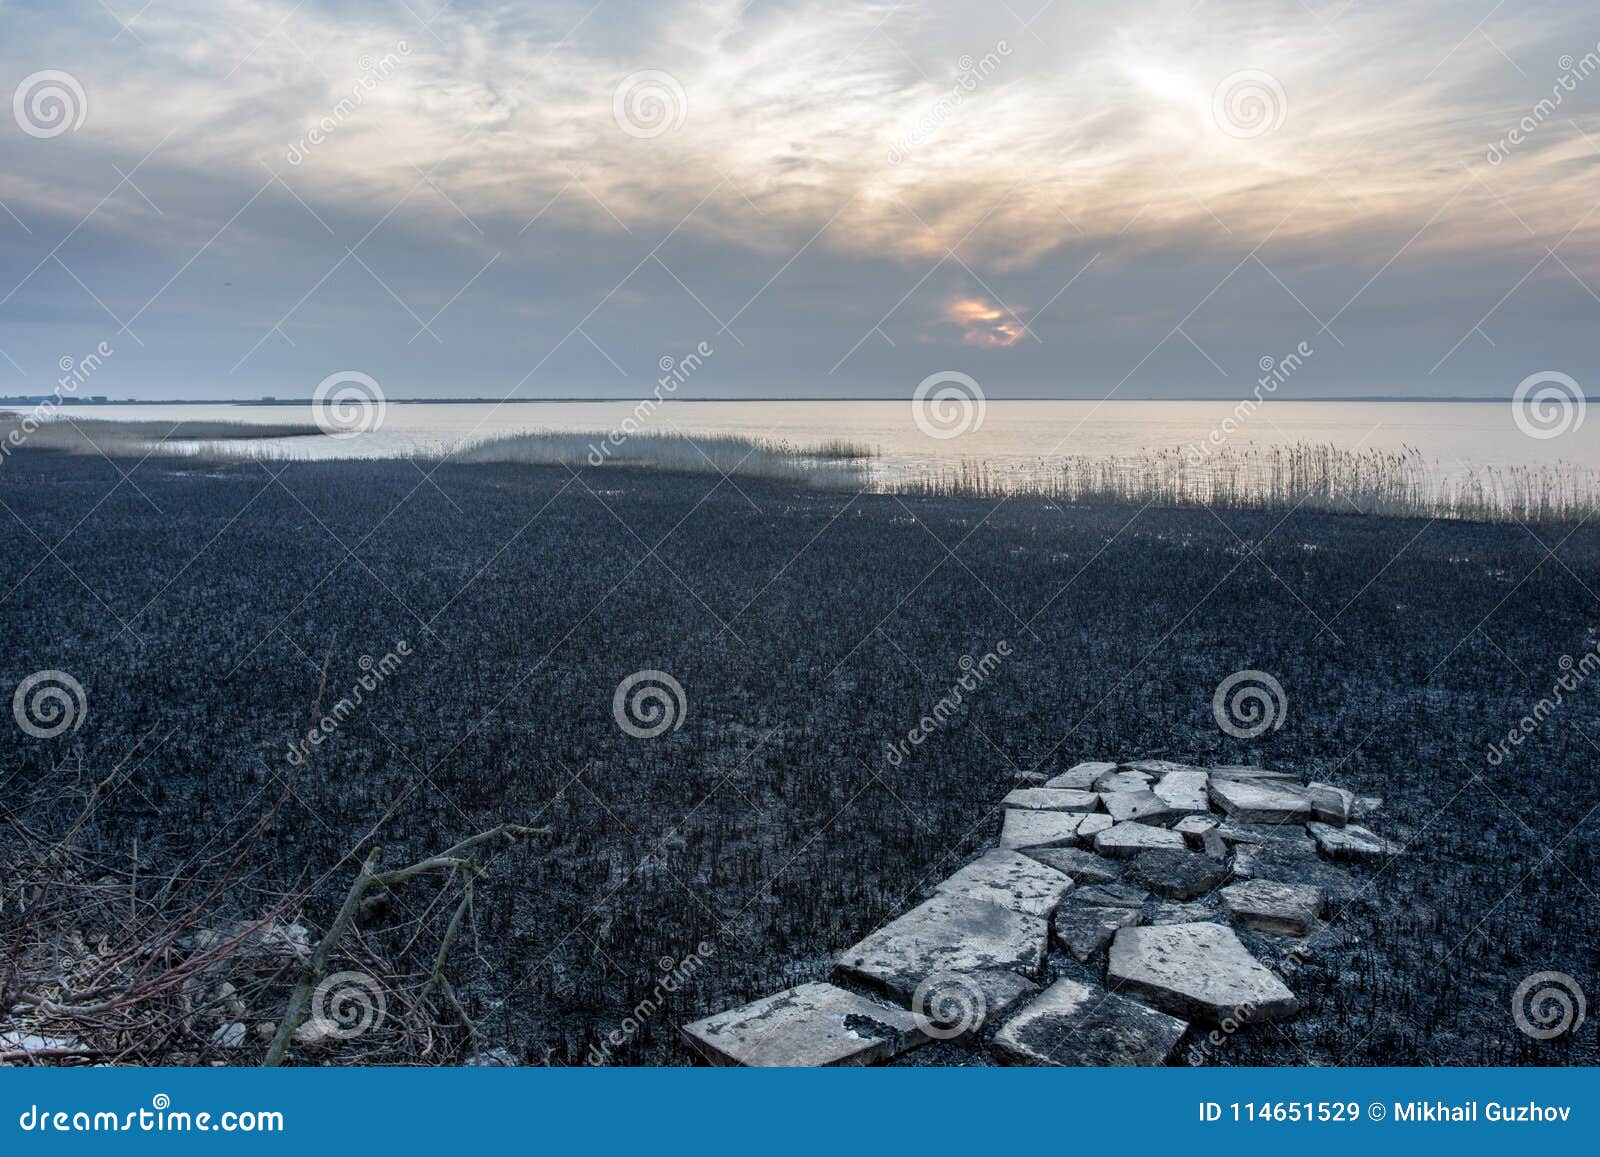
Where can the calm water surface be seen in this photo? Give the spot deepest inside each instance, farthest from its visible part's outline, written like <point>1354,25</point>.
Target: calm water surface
<point>1017,439</point>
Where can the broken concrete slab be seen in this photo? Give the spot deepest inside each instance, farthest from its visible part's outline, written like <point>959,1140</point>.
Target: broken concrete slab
<point>1084,929</point>
<point>1112,895</point>
<point>1080,776</point>
<point>1011,880</point>
<point>1084,867</point>
<point>1214,845</point>
<point>1144,805</point>
<point>958,1005</point>
<point>1125,840</point>
<point>1272,862</point>
<point>1193,827</point>
<point>1260,803</point>
<point>948,933</point>
<point>1329,804</point>
<point>1123,781</point>
<point>1026,828</point>
<point>1352,842</point>
<point>1053,799</point>
<point>1268,906</point>
<point>1161,767</point>
<point>814,1024</point>
<point>1093,824</point>
<point>1292,837</point>
<point>1080,1024</point>
<point>1239,771</point>
<point>1199,971</point>
<point>1185,791</point>
<point>1177,874</point>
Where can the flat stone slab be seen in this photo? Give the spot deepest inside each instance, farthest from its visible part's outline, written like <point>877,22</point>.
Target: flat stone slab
<point>1260,803</point>
<point>1124,806</point>
<point>1058,799</point>
<point>814,1024</point>
<point>1093,824</point>
<point>1241,771</point>
<point>1028,828</point>
<point>1193,828</point>
<point>1352,842</point>
<point>1112,895</point>
<point>1159,767</point>
<point>1129,839</point>
<point>1185,792</point>
<point>1084,867</point>
<point>1081,776</point>
<point>1179,912</point>
<point>1084,929</point>
<point>1291,837</point>
<point>958,1005</point>
<point>1329,804</point>
<point>1198,971</point>
<point>1010,880</point>
<point>1267,906</point>
<point>1080,1024</point>
<point>1176,874</point>
<point>1123,781</point>
<point>947,933</point>
<point>1271,862</point>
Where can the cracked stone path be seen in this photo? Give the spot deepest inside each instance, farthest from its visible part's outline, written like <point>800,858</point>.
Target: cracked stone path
<point>1140,870</point>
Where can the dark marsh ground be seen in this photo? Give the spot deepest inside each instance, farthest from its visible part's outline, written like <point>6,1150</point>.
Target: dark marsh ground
<point>197,604</point>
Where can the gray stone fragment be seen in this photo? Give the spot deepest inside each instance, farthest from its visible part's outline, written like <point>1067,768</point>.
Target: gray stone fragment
<point>1084,867</point>
<point>1353,842</point>
<point>1084,929</point>
<point>1193,828</point>
<point>1112,895</point>
<point>1329,804</point>
<point>1122,781</point>
<point>1366,805</point>
<point>1161,767</point>
<point>945,934</point>
<point>1245,772</point>
<point>1292,837</point>
<point>1185,792</point>
<point>1011,880</point>
<point>1125,840</point>
<point>1123,806</point>
<point>1030,778</point>
<point>814,1024</point>
<point>1093,824</point>
<point>1214,845</point>
<point>1261,803</point>
<point>1080,776</point>
<point>1080,1024</point>
<point>1053,799</point>
<point>1267,906</point>
<point>958,1005</point>
<point>1269,862</point>
<point>1199,971</point>
<point>1177,874</point>
<point>1027,828</point>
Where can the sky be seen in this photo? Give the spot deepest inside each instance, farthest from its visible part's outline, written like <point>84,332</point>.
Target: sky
<point>1138,200</point>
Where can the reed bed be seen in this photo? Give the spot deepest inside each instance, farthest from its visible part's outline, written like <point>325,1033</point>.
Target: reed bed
<point>63,432</point>
<point>1306,476</point>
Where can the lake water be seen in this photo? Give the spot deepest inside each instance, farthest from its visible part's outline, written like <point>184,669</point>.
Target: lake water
<point>1016,439</point>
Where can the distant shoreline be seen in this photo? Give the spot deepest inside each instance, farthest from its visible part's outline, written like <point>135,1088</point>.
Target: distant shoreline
<point>34,400</point>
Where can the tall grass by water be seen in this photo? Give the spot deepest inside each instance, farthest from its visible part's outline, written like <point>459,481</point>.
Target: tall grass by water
<point>65,432</point>
<point>1304,476</point>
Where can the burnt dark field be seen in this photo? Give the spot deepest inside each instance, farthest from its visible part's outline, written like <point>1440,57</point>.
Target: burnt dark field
<point>211,612</point>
